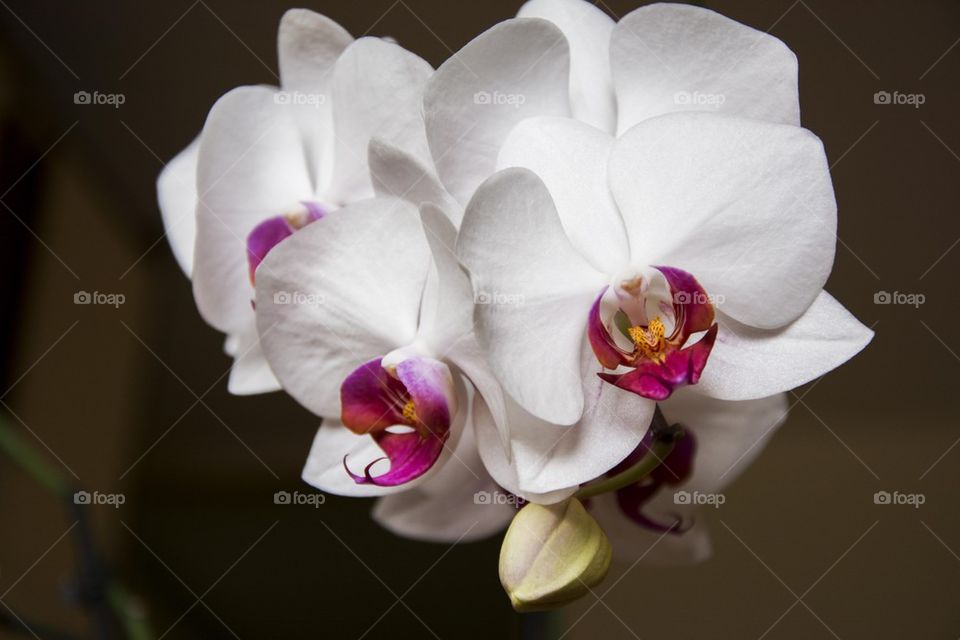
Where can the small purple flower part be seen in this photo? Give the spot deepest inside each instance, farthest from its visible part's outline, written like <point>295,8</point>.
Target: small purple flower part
<point>407,409</point>
<point>660,361</point>
<point>675,469</point>
<point>269,233</point>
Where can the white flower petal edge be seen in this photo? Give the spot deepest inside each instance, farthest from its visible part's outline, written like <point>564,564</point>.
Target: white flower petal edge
<point>340,292</point>
<point>399,174</point>
<point>672,57</point>
<point>177,196</point>
<point>571,158</point>
<point>251,166</point>
<point>730,435</point>
<point>587,29</point>
<point>377,88</point>
<point>548,462</point>
<point>250,373</point>
<point>448,506</point>
<point>533,291</point>
<point>517,69</point>
<point>750,363</point>
<point>447,319</point>
<point>747,207</point>
<point>308,45</point>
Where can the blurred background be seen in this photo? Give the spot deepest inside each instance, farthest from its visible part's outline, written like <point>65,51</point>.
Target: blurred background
<point>131,399</point>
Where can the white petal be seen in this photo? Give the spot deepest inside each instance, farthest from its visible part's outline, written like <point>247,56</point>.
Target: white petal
<point>399,174</point>
<point>750,363</point>
<point>446,508</point>
<point>308,45</point>
<point>338,293</point>
<point>377,88</point>
<point>515,70</point>
<point>251,166</point>
<point>588,30</point>
<point>672,57</point>
<point>571,158</point>
<point>747,207</point>
<point>250,373</point>
<point>177,195</point>
<point>548,458</point>
<point>446,321</point>
<point>533,292</point>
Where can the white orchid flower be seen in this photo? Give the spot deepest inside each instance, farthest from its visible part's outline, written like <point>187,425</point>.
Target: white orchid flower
<point>356,320</point>
<point>687,255</point>
<point>272,160</point>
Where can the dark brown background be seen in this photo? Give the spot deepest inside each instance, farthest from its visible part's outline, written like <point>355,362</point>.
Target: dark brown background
<point>801,549</point>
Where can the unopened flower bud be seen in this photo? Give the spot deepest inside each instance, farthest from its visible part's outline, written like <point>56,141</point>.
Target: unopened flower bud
<point>552,555</point>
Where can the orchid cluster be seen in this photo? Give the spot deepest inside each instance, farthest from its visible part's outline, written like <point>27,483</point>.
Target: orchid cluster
<point>575,267</point>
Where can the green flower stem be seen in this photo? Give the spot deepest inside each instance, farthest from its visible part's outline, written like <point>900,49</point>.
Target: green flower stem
<point>30,461</point>
<point>130,613</point>
<point>664,439</point>
<point>25,456</point>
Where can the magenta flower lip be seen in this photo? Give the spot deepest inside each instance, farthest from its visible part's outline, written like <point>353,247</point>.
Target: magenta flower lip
<point>272,231</point>
<point>413,396</point>
<point>660,362</point>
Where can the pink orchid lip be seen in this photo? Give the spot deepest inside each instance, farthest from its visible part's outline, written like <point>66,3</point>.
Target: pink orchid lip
<point>417,394</point>
<point>660,363</point>
<point>272,231</point>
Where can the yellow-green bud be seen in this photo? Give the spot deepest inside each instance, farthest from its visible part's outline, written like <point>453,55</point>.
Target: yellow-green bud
<point>552,555</point>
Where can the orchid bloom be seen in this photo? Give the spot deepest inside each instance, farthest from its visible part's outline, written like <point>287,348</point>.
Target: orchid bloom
<point>686,256</point>
<point>273,160</point>
<point>356,323</point>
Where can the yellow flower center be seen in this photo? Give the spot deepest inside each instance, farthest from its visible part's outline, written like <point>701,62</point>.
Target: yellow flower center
<point>410,412</point>
<point>649,339</point>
